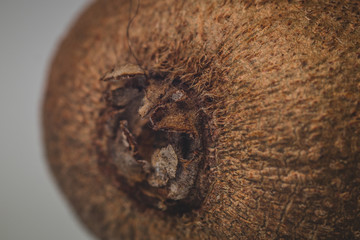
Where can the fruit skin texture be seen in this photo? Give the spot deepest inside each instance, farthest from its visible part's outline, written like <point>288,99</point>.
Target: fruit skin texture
<point>284,82</point>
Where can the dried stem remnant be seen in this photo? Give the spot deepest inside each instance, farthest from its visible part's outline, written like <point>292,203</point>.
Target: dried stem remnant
<point>164,163</point>
<point>152,139</point>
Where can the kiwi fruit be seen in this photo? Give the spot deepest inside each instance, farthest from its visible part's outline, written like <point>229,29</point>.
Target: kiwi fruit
<point>209,119</point>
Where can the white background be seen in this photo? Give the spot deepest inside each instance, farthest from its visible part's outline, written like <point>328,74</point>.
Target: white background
<point>31,206</point>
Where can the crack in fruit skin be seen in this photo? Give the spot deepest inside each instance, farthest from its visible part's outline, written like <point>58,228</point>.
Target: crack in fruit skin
<point>151,139</point>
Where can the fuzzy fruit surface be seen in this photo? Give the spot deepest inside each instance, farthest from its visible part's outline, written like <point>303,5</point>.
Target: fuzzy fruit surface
<point>261,104</point>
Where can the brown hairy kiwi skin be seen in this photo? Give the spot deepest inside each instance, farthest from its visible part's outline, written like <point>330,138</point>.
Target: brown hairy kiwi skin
<point>281,85</point>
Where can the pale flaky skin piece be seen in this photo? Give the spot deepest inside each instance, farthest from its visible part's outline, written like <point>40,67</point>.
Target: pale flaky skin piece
<point>279,83</point>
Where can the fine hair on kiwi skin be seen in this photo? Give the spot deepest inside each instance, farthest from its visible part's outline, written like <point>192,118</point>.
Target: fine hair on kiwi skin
<point>209,119</point>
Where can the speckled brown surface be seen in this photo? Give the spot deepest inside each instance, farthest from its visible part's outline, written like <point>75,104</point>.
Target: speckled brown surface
<point>285,83</point>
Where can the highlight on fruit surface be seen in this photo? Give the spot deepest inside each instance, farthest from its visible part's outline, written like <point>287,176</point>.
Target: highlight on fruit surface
<point>209,119</point>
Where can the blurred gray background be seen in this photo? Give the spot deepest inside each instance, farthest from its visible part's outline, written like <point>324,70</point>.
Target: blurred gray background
<point>31,206</point>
